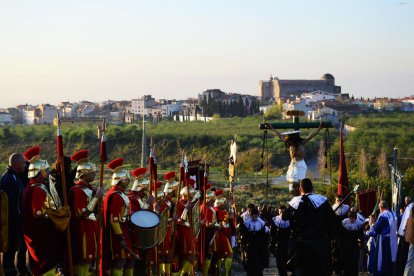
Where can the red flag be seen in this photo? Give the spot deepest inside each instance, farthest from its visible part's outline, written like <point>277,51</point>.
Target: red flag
<point>155,168</point>
<point>59,141</point>
<point>343,185</point>
<point>367,200</point>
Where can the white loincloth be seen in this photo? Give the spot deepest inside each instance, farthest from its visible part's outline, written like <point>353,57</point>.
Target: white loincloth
<point>296,171</point>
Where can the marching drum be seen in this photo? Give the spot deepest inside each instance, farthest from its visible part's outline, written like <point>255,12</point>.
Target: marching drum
<point>145,229</point>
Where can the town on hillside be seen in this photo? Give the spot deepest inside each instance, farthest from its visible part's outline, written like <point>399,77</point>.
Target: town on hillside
<point>317,98</point>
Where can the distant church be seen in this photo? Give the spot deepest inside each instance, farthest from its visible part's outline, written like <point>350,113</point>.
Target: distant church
<point>275,88</point>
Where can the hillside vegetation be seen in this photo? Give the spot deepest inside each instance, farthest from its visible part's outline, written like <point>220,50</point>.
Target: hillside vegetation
<point>369,149</point>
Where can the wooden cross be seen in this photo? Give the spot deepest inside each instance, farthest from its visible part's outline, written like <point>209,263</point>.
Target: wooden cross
<point>296,125</point>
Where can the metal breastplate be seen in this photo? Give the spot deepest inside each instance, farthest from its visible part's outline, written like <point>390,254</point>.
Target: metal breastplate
<point>89,195</point>
<point>214,218</point>
<point>49,202</point>
<point>124,215</point>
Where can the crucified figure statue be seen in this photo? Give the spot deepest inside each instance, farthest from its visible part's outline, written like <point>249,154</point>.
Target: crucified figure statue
<point>295,144</point>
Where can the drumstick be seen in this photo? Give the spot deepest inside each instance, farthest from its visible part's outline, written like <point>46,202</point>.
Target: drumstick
<point>129,250</point>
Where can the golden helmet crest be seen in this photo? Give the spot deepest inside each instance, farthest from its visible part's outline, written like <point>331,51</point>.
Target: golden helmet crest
<point>36,164</point>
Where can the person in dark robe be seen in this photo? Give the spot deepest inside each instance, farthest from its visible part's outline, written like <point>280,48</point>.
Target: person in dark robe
<point>341,212</point>
<point>13,186</point>
<point>255,244</point>
<point>350,237</point>
<point>312,221</point>
<point>281,233</point>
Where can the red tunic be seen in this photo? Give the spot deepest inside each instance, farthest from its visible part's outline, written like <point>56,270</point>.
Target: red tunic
<point>208,214</point>
<point>85,229</point>
<point>223,236</point>
<point>185,242</point>
<point>133,200</point>
<point>113,227</point>
<point>44,242</point>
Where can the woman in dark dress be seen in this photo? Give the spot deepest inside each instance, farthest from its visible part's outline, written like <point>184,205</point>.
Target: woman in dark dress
<point>256,245</point>
<point>350,236</point>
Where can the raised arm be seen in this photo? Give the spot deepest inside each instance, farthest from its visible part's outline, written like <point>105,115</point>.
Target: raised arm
<point>277,133</point>
<point>313,134</point>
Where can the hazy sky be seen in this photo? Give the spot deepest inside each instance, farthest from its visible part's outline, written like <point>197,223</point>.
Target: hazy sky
<point>58,50</point>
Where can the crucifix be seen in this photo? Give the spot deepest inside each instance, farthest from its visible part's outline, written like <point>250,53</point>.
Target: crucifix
<point>295,144</point>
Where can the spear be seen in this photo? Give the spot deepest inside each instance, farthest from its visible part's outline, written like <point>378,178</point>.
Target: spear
<point>232,173</point>
<point>174,225</point>
<point>103,159</point>
<point>203,229</point>
<point>59,149</point>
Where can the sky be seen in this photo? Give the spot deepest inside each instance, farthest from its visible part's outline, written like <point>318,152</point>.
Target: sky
<point>53,51</point>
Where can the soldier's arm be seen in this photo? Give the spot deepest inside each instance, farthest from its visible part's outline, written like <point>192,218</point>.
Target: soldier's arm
<point>79,203</point>
<point>38,203</point>
<point>116,212</point>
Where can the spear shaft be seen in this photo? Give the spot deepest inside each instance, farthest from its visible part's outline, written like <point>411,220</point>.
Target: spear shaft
<point>59,147</point>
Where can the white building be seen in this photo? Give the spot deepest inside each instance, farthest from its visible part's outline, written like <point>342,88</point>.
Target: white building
<point>5,119</point>
<point>45,114</point>
<point>168,110</point>
<point>67,110</point>
<point>298,104</point>
<point>139,106</point>
<point>318,96</point>
<point>41,114</point>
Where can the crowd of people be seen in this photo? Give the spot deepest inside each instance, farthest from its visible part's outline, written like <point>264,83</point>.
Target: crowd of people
<point>310,237</point>
<point>203,233</point>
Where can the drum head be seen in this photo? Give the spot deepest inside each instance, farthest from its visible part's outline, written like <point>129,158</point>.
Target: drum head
<point>145,219</point>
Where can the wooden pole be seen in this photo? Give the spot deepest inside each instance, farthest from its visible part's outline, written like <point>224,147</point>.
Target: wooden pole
<point>103,159</point>
<point>174,225</point>
<point>59,147</point>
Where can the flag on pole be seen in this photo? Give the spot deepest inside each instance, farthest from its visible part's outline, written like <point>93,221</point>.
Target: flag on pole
<point>343,184</point>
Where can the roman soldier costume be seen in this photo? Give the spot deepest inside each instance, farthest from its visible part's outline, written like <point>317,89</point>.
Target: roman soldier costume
<point>116,242</point>
<point>43,240</point>
<point>137,194</point>
<point>164,248</point>
<point>223,237</point>
<point>208,216</point>
<point>186,244</point>
<point>84,223</point>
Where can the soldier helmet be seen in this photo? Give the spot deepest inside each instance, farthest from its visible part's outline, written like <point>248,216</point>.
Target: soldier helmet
<point>220,199</point>
<point>189,188</point>
<point>36,164</point>
<point>119,173</point>
<point>158,190</point>
<point>139,183</point>
<point>84,166</point>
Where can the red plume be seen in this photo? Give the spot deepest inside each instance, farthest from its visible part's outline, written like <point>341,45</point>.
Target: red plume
<point>207,186</point>
<point>157,185</point>
<point>32,152</point>
<point>219,192</point>
<point>169,175</point>
<point>138,172</point>
<point>190,182</point>
<point>116,163</point>
<point>79,155</point>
